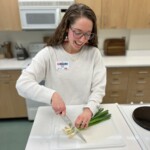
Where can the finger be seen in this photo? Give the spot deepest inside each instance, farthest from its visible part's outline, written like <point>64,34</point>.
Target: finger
<point>57,112</point>
<point>63,113</point>
<point>83,125</point>
<point>78,123</point>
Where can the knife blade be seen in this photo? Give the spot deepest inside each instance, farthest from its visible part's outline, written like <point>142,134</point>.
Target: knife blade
<point>68,121</point>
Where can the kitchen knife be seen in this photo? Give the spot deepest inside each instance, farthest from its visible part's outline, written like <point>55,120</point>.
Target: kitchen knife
<point>68,121</point>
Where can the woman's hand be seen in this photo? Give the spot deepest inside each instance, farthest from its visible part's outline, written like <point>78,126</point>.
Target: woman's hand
<point>58,104</point>
<point>83,119</point>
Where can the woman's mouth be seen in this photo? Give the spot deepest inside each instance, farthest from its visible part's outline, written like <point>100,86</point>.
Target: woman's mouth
<point>78,44</point>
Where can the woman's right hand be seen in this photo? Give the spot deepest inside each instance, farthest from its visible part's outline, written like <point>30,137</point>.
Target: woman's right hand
<point>58,104</point>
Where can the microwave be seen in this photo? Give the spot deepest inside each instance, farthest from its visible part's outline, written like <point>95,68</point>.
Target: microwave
<point>42,14</point>
<point>39,19</point>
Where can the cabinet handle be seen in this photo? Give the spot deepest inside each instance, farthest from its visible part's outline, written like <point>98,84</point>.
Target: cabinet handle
<point>6,82</point>
<point>143,72</point>
<point>139,94</point>
<point>114,95</point>
<point>5,76</point>
<point>141,82</point>
<point>115,83</point>
<point>116,73</point>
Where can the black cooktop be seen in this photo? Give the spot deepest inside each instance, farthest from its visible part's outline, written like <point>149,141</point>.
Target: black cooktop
<point>141,116</point>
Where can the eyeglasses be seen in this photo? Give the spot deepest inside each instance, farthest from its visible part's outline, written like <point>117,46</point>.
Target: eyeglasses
<point>77,33</point>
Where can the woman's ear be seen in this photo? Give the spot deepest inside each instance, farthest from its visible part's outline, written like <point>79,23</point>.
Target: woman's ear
<point>66,38</point>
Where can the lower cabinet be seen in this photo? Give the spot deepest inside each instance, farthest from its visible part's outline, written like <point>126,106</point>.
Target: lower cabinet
<point>138,85</point>
<point>11,104</point>
<point>127,85</point>
<point>116,88</point>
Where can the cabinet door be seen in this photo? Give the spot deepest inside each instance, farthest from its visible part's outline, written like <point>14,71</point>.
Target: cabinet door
<point>9,16</point>
<point>139,14</point>
<point>11,104</point>
<point>96,7</point>
<point>114,13</point>
<point>138,87</point>
<point>116,88</point>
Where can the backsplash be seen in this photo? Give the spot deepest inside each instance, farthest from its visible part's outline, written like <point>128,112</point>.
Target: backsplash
<point>24,38</point>
<point>135,39</point>
<point>139,39</point>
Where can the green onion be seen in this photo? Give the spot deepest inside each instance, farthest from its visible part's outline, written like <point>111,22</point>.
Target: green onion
<point>99,119</point>
<point>100,116</point>
<point>100,110</point>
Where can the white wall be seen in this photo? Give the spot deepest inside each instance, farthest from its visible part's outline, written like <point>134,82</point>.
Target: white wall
<point>135,39</point>
<point>139,40</point>
<point>24,38</point>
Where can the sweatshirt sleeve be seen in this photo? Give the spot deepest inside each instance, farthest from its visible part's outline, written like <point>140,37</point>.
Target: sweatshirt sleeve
<point>28,85</point>
<point>98,83</point>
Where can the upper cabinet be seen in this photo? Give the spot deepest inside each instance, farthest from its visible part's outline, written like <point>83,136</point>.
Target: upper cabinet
<point>96,6</point>
<point>138,14</point>
<point>114,13</point>
<point>9,15</point>
<point>110,13</point>
<point>121,14</point>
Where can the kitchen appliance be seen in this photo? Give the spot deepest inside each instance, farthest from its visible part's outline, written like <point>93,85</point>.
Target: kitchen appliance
<point>114,46</point>
<point>141,116</point>
<point>142,135</point>
<point>22,53</point>
<point>42,14</point>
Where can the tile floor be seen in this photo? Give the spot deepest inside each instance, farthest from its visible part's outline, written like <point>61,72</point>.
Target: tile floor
<point>14,133</point>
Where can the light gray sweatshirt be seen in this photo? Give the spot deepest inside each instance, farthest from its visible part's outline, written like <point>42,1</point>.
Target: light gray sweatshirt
<point>79,78</point>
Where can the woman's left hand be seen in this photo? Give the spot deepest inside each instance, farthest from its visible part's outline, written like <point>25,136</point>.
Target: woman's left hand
<point>83,119</point>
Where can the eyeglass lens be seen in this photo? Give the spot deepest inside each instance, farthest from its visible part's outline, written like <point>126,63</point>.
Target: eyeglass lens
<point>78,34</point>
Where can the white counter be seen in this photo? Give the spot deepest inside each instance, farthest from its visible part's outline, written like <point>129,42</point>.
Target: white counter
<point>14,64</point>
<point>131,59</point>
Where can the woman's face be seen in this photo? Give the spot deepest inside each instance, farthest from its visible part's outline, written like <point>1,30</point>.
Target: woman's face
<point>79,34</point>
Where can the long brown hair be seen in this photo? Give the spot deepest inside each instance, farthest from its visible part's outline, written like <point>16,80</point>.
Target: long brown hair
<point>74,12</point>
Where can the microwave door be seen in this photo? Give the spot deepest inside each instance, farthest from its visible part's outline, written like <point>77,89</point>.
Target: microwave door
<point>40,19</point>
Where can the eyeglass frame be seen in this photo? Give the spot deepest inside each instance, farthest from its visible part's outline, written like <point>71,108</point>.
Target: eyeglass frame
<point>85,34</point>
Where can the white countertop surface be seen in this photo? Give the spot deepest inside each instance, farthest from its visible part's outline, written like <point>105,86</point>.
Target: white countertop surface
<point>14,64</point>
<point>113,134</point>
<point>131,59</point>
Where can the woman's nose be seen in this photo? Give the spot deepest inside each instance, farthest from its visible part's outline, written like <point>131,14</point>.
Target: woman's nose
<point>83,38</point>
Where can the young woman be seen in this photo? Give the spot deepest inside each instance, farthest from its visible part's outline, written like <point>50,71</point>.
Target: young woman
<point>71,66</point>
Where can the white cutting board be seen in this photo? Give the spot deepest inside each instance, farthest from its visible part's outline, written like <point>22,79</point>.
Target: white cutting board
<point>102,135</point>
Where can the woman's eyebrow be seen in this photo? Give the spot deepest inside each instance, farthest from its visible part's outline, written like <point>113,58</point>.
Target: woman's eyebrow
<point>81,30</point>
